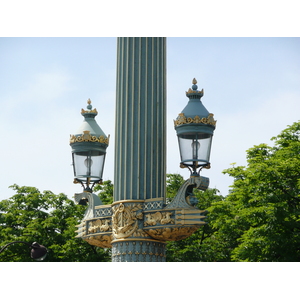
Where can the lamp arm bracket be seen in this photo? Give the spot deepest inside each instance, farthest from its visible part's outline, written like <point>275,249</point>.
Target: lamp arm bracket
<point>92,201</point>
<point>186,190</point>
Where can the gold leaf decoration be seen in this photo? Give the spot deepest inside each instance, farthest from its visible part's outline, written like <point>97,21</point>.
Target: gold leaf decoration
<point>182,119</point>
<point>87,137</point>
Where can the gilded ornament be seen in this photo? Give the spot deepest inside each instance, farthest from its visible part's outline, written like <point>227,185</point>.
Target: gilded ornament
<point>93,111</point>
<point>182,119</point>
<point>140,233</point>
<point>172,234</point>
<point>103,241</point>
<point>99,225</point>
<point>158,217</point>
<point>190,91</point>
<point>87,137</point>
<point>125,219</point>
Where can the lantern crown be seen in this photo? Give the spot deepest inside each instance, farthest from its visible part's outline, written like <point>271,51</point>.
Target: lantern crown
<point>193,92</point>
<point>89,131</point>
<point>92,113</point>
<point>195,112</point>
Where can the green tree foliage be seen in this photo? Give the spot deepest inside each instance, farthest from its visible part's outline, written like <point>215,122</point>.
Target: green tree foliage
<point>264,214</point>
<point>173,183</point>
<point>105,190</point>
<point>48,219</point>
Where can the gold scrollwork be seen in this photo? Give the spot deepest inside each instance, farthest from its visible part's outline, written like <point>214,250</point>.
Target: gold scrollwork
<point>87,137</point>
<point>158,217</point>
<point>103,241</point>
<point>172,234</point>
<point>125,219</point>
<point>182,119</point>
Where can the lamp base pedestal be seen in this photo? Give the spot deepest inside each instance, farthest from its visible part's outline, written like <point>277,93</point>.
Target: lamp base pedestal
<point>138,251</point>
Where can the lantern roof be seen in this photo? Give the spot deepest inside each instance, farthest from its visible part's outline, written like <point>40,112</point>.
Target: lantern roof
<point>89,131</point>
<point>195,112</point>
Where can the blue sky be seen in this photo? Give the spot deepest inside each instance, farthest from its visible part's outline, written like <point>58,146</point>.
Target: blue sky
<point>251,85</point>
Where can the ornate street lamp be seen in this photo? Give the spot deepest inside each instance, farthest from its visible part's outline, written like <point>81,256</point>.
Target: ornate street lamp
<point>195,127</point>
<point>139,222</point>
<point>38,252</point>
<point>88,145</point>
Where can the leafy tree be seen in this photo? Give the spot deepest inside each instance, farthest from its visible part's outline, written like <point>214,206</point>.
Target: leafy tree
<point>106,191</point>
<point>173,183</point>
<point>48,219</point>
<point>264,201</point>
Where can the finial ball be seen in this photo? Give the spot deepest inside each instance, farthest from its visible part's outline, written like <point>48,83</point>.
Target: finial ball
<point>194,86</point>
<point>89,104</point>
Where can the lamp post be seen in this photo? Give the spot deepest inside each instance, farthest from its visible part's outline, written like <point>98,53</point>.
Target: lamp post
<point>140,221</point>
<point>38,252</point>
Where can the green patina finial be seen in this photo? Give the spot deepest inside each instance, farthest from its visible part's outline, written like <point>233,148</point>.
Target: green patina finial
<point>193,92</point>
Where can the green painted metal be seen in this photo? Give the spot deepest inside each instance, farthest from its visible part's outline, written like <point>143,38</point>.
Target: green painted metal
<point>140,143</point>
<point>140,137</point>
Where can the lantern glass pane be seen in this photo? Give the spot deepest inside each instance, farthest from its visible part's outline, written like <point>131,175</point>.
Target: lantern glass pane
<point>88,164</point>
<point>195,148</point>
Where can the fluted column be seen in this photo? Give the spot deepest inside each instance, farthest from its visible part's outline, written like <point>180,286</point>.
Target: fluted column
<point>140,141</point>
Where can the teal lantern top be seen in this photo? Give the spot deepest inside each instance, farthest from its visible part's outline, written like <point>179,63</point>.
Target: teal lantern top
<point>88,145</point>
<point>195,127</point>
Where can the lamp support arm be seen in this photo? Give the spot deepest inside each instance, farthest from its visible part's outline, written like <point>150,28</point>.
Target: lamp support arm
<point>1,250</point>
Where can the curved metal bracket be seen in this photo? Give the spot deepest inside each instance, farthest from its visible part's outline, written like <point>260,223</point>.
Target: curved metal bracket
<point>91,200</point>
<point>185,193</point>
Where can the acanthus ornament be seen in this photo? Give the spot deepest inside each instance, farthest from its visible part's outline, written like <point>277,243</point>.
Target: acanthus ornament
<point>87,137</point>
<point>182,119</point>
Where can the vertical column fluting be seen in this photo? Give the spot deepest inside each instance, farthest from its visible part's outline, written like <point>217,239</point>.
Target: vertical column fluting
<point>140,145</point>
<point>140,141</point>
